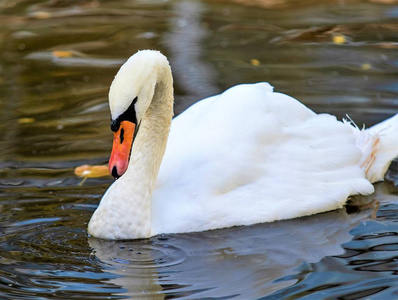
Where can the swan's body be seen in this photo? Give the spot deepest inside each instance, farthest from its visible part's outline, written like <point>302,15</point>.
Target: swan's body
<point>247,156</point>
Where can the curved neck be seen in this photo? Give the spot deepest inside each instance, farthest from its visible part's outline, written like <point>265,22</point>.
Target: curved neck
<point>150,143</point>
<point>125,209</point>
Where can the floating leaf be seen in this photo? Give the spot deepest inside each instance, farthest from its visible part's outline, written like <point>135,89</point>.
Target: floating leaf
<point>42,15</point>
<point>366,66</point>
<point>255,62</point>
<point>339,39</point>
<point>62,53</point>
<point>26,120</point>
<point>89,171</point>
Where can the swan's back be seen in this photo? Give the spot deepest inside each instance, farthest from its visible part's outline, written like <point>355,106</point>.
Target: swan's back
<point>251,155</point>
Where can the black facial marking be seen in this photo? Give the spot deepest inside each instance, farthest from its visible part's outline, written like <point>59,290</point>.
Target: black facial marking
<point>121,136</point>
<point>128,115</point>
<point>114,173</point>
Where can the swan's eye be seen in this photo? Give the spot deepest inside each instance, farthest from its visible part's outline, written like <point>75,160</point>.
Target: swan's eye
<point>115,125</point>
<point>121,135</point>
<point>128,115</point>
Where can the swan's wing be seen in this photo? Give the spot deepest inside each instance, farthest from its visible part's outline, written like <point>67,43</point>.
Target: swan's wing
<point>251,155</point>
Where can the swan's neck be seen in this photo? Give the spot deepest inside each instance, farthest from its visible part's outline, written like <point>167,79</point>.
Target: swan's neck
<point>125,209</point>
<point>150,143</point>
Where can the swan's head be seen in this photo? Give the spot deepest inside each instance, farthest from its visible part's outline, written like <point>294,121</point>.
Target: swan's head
<point>130,96</point>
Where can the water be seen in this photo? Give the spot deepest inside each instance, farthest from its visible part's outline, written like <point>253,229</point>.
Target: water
<point>57,59</point>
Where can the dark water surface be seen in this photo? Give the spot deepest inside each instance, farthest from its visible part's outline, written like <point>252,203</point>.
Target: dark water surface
<point>57,60</point>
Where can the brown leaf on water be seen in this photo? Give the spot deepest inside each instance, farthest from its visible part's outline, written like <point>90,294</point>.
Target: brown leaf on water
<point>89,171</point>
<point>366,66</point>
<point>255,62</point>
<point>41,15</point>
<point>26,120</point>
<point>339,39</point>
<point>61,53</point>
<point>66,53</point>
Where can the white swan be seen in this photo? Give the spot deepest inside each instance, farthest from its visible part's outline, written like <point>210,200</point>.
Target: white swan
<point>247,156</point>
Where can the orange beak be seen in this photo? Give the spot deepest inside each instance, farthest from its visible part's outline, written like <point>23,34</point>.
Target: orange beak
<point>122,143</point>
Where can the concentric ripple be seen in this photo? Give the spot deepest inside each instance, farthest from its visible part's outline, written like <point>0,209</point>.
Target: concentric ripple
<point>141,254</point>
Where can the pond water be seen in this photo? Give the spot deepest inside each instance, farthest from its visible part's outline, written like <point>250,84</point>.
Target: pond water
<point>57,60</point>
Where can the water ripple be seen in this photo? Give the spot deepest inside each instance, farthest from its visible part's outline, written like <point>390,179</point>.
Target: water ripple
<point>57,61</point>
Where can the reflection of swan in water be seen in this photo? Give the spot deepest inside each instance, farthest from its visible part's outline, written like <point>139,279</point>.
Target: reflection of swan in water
<point>133,266</point>
<point>247,261</point>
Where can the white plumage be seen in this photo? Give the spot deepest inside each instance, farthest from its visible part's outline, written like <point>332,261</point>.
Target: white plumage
<point>246,156</point>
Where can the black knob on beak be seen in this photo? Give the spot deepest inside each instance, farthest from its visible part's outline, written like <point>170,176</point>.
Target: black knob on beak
<point>114,173</point>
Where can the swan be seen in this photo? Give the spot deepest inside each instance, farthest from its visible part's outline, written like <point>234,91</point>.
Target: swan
<point>246,156</point>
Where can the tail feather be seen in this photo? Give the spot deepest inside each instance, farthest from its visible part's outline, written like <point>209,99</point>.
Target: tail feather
<point>379,146</point>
